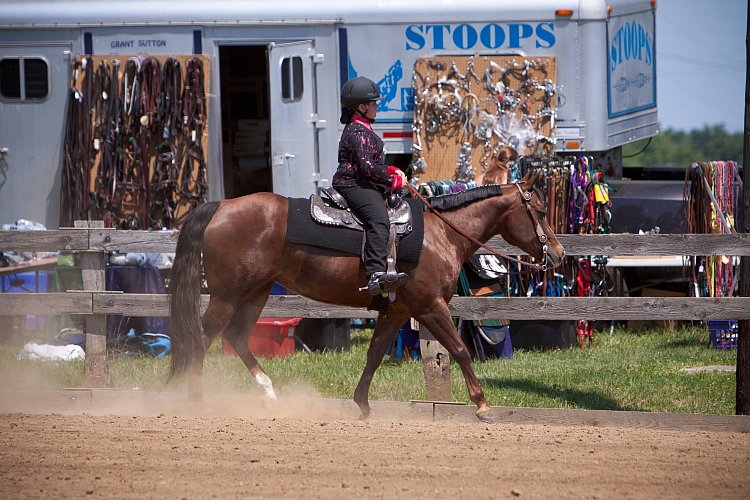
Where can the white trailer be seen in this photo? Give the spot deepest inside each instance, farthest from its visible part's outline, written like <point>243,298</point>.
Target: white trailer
<point>276,70</point>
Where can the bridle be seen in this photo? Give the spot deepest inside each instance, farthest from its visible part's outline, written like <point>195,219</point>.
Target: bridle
<point>526,198</point>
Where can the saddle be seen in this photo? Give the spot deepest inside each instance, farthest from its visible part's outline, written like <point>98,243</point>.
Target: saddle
<point>331,209</point>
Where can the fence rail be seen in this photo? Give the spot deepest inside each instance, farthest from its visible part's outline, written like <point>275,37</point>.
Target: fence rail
<point>93,240</point>
<point>473,308</point>
<point>599,308</point>
<point>112,240</point>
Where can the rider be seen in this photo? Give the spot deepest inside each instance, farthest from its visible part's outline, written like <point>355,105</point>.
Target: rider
<point>363,179</point>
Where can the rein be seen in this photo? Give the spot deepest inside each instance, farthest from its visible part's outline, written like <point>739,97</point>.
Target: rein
<point>526,198</point>
<point>164,177</point>
<point>192,182</point>
<point>150,87</point>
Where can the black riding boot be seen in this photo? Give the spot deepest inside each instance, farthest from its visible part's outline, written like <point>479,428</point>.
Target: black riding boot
<point>384,283</point>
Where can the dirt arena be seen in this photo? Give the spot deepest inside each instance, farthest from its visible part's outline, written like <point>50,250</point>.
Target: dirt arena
<point>119,445</point>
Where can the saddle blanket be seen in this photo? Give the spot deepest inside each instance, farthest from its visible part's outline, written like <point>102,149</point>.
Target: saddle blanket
<point>300,228</point>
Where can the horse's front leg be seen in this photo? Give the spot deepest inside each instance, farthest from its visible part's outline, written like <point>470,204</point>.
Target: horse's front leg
<point>385,331</point>
<point>439,323</point>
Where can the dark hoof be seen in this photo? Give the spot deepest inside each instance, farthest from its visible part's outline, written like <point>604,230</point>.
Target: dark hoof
<point>486,416</point>
<point>364,411</point>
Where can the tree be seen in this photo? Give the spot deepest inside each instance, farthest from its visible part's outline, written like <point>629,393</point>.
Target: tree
<point>678,148</point>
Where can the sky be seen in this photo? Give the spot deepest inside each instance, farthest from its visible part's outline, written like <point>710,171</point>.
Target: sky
<point>700,63</point>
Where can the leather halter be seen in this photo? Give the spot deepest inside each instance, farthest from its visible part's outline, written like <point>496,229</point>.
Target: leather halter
<point>526,198</point>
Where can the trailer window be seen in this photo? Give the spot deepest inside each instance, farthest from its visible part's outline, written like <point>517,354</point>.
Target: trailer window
<point>24,78</point>
<point>291,79</point>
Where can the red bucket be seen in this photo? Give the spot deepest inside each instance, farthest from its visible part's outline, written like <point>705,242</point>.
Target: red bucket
<point>270,338</point>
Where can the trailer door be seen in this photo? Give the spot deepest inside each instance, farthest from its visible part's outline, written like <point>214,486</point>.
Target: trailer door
<point>33,93</point>
<point>292,100</point>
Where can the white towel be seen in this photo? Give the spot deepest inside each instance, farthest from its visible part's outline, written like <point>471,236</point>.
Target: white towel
<point>51,352</point>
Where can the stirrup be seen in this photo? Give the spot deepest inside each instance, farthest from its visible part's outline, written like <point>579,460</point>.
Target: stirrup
<point>386,283</point>
<point>374,286</point>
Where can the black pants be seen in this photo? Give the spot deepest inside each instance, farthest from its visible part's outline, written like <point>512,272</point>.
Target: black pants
<point>368,205</point>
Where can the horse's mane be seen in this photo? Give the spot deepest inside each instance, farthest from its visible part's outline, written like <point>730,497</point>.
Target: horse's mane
<point>456,200</point>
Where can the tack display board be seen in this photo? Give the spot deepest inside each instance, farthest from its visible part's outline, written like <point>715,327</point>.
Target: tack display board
<point>467,107</point>
<point>139,169</point>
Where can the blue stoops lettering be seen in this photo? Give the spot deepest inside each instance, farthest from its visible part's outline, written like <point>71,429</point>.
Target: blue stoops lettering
<point>632,42</point>
<point>478,36</point>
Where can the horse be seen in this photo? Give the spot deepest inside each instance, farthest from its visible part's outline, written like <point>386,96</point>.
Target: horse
<point>497,172</point>
<point>244,252</point>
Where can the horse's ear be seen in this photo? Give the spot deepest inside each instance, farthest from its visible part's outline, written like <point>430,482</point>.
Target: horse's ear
<point>529,180</point>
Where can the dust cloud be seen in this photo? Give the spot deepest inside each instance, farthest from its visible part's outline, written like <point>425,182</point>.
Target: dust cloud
<point>295,401</point>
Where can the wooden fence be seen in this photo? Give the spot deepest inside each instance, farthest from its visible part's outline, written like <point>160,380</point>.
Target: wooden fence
<point>94,302</point>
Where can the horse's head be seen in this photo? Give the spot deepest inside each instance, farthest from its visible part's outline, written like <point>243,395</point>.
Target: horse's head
<point>527,226</point>
<point>497,171</point>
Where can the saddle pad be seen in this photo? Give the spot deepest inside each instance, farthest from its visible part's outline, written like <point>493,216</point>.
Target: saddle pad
<point>300,228</point>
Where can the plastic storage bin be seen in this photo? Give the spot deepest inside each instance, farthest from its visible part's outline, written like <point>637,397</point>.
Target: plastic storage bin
<point>270,338</point>
<point>28,282</point>
<point>724,333</point>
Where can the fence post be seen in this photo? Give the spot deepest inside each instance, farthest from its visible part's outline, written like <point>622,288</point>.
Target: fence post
<point>436,364</point>
<point>95,325</point>
<point>742,377</point>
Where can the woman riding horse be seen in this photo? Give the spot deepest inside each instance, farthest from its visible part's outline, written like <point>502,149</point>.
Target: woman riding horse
<point>241,243</point>
<point>363,179</point>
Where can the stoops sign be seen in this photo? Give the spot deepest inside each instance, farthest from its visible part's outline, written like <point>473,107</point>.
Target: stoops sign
<point>387,53</point>
<point>631,61</point>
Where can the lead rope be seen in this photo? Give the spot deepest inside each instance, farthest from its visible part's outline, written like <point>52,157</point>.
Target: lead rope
<point>535,267</point>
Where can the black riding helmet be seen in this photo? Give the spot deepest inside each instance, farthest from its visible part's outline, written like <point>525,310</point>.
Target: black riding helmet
<point>358,90</point>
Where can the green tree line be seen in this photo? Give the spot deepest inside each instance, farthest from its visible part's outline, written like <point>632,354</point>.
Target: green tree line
<point>679,148</point>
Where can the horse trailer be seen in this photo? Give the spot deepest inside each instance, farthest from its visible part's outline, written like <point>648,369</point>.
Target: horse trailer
<point>275,70</point>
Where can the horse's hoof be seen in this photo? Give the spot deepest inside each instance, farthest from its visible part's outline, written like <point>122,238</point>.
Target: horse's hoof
<point>486,416</point>
<point>269,403</point>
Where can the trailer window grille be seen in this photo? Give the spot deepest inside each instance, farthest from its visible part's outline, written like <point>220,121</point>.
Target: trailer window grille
<point>24,78</point>
<point>291,79</point>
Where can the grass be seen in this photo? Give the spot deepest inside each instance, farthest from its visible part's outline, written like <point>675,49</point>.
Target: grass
<point>621,371</point>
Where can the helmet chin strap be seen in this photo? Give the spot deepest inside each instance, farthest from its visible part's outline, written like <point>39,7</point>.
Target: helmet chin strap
<point>371,120</point>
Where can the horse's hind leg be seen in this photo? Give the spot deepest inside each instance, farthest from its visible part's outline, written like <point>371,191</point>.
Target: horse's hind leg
<point>237,333</point>
<point>385,331</point>
<point>214,320</point>
<point>438,321</point>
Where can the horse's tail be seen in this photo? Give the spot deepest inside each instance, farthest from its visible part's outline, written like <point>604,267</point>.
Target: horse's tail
<point>185,329</point>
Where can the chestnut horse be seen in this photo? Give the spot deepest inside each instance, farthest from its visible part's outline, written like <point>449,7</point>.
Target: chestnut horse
<point>497,172</point>
<point>242,242</point>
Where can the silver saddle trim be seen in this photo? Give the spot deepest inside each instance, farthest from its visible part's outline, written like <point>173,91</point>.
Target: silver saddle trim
<point>327,215</point>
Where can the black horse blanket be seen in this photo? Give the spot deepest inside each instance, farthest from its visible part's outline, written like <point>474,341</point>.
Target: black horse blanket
<point>300,228</point>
